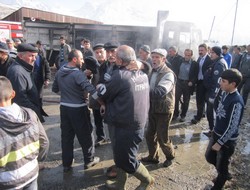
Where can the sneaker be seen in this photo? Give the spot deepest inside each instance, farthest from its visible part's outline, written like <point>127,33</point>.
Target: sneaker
<point>182,119</point>
<point>150,160</point>
<point>208,134</point>
<point>91,164</point>
<point>167,163</point>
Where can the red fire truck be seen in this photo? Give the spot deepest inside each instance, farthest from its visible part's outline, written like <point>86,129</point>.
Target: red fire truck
<point>10,30</point>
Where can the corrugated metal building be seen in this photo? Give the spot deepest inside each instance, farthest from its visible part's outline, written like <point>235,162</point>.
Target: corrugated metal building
<point>34,14</point>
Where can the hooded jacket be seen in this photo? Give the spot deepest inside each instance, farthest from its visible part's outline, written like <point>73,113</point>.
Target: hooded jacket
<point>23,143</point>
<point>72,83</point>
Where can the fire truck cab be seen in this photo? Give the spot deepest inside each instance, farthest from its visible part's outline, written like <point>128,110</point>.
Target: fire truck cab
<point>10,30</point>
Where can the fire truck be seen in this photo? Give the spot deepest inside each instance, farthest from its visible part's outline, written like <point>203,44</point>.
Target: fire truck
<point>10,30</point>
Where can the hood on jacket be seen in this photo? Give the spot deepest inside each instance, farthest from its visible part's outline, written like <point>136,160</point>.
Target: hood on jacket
<point>13,126</point>
<point>65,70</point>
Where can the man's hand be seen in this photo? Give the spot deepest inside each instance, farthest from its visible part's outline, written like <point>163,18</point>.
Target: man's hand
<point>216,147</point>
<point>107,77</point>
<point>46,83</point>
<point>190,83</point>
<point>88,72</point>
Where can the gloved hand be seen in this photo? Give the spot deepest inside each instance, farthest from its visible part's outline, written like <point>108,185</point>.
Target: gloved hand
<point>101,89</point>
<point>107,77</point>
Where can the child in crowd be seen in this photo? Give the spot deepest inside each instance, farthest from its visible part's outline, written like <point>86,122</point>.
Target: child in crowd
<point>229,108</point>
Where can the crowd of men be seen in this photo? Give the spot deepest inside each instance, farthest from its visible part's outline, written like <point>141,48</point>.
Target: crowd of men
<point>132,95</point>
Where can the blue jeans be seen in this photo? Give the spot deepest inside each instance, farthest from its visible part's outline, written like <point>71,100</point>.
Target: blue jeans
<point>126,145</point>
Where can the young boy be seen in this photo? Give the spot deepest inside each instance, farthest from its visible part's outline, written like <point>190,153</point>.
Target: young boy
<point>229,108</point>
<point>23,142</point>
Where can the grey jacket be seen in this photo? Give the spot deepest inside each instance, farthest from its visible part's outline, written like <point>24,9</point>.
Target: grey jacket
<point>72,83</point>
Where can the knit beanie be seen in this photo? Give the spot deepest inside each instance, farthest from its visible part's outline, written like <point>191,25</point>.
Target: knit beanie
<point>217,50</point>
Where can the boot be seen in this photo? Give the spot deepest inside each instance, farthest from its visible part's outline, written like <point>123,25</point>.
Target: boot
<point>119,183</point>
<point>146,179</point>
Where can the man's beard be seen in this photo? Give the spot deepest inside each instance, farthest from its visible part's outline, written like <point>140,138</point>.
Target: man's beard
<point>78,65</point>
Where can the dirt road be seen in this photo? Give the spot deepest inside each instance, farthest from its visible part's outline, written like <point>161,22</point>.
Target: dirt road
<point>189,170</point>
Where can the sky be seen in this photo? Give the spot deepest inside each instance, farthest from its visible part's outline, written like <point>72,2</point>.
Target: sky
<point>144,12</point>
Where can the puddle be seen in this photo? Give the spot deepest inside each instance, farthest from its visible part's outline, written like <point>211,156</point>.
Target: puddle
<point>246,149</point>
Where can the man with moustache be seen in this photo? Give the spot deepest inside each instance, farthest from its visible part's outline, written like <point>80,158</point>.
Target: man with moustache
<point>73,83</point>
<point>100,55</point>
<point>204,61</point>
<point>106,71</point>
<point>162,100</point>
<point>20,73</point>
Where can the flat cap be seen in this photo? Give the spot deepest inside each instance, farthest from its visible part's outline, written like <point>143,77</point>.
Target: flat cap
<point>26,47</point>
<point>145,48</point>
<point>160,51</point>
<point>97,46</point>
<point>111,45</point>
<point>4,47</point>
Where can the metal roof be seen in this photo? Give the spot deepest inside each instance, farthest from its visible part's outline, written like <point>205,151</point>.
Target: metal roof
<point>25,13</point>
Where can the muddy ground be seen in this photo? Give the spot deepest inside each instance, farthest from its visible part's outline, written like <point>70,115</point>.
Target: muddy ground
<point>189,170</point>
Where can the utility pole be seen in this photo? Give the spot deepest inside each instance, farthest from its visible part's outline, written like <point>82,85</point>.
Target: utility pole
<point>211,30</point>
<point>234,22</point>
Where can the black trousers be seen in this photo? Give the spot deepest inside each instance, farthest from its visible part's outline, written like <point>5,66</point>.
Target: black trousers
<point>182,89</point>
<point>75,122</point>
<point>200,99</point>
<point>98,124</point>
<point>220,160</point>
<point>210,114</point>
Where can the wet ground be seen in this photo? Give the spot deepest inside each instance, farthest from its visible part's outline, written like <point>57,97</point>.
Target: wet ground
<point>189,170</point>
